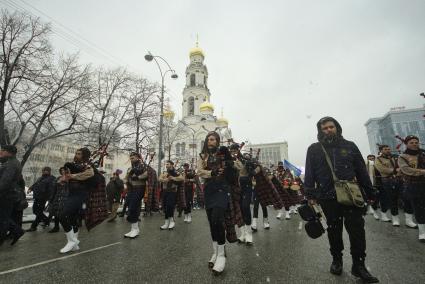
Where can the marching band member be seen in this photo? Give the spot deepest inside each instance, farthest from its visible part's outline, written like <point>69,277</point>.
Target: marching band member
<point>136,185</point>
<point>215,166</point>
<point>171,180</point>
<point>189,180</point>
<point>412,165</point>
<point>245,181</point>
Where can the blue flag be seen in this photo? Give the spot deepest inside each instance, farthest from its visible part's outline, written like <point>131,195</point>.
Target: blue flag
<point>291,167</point>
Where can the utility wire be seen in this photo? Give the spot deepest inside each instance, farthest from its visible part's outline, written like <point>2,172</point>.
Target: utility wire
<point>68,34</point>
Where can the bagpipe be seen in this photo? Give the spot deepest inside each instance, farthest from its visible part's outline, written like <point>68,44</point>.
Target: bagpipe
<point>403,141</point>
<point>96,160</point>
<point>189,173</point>
<point>247,159</point>
<point>141,167</point>
<point>97,157</point>
<point>223,162</point>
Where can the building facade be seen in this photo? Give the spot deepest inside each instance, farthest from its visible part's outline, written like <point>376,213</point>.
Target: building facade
<point>55,153</point>
<point>398,121</point>
<point>270,153</point>
<point>183,140</point>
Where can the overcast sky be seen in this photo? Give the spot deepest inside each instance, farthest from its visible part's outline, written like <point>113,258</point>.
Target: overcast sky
<point>275,67</point>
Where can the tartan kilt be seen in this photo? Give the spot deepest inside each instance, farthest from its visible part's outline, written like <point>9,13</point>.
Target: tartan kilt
<point>97,210</point>
<point>288,198</point>
<point>266,192</point>
<point>56,206</point>
<point>299,196</point>
<point>235,206</point>
<point>151,197</point>
<point>230,227</point>
<point>181,198</point>
<point>233,215</point>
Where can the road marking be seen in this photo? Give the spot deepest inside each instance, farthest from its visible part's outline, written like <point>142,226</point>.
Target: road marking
<point>56,259</point>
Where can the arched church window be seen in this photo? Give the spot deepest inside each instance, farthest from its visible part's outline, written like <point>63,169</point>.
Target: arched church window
<point>182,148</point>
<point>178,149</point>
<point>192,80</point>
<point>191,106</point>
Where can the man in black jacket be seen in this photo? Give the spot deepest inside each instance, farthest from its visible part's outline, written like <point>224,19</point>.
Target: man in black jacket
<point>10,176</point>
<point>42,190</point>
<point>348,164</point>
<point>114,188</point>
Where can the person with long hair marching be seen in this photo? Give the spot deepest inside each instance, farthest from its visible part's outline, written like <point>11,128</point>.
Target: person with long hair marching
<point>215,166</point>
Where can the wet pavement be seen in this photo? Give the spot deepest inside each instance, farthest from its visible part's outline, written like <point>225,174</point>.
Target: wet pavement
<point>283,254</point>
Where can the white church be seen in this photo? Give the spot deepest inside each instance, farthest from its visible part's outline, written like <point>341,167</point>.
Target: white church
<point>183,140</point>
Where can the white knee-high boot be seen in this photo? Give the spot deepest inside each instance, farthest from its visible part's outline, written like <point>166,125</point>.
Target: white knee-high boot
<point>214,256</point>
<point>421,232</point>
<point>220,262</point>
<point>248,235</point>
<point>242,237</point>
<point>409,221</point>
<point>71,242</point>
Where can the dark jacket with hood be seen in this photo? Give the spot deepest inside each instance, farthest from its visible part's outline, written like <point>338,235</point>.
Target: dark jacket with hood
<point>10,178</point>
<point>347,162</point>
<point>43,188</point>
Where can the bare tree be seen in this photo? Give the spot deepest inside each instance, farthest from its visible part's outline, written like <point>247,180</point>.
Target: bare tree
<point>51,106</point>
<point>144,120</point>
<point>24,49</point>
<point>110,107</point>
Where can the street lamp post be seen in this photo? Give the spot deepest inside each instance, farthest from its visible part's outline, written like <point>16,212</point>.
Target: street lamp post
<point>149,57</point>
<point>193,139</point>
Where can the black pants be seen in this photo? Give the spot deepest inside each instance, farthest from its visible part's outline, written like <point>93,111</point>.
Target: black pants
<point>338,215</point>
<point>246,196</point>
<point>38,210</point>
<point>417,198</point>
<point>390,195</point>
<point>188,192</point>
<point>169,203</point>
<point>134,200</point>
<point>216,220</point>
<point>256,207</point>
<point>376,204</point>
<point>17,216</point>
<point>6,222</point>
<point>72,209</point>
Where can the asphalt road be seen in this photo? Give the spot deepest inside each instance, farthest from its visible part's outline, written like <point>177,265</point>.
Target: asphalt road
<point>283,254</point>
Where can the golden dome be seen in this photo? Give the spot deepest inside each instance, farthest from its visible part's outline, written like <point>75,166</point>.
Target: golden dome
<point>222,121</point>
<point>168,114</point>
<point>206,106</point>
<point>196,51</point>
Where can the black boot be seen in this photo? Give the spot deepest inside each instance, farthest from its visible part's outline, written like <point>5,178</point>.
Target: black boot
<point>359,270</point>
<point>16,236</point>
<point>336,266</point>
<point>54,230</point>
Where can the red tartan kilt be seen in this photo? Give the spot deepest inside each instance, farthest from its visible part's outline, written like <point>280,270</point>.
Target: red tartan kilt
<point>181,198</point>
<point>97,210</point>
<point>291,197</point>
